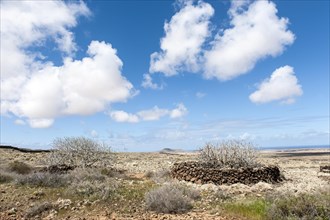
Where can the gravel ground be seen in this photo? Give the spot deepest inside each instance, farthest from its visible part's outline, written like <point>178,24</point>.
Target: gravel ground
<point>300,170</point>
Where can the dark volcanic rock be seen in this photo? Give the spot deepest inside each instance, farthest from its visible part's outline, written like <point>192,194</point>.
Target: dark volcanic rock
<point>62,168</point>
<point>198,172</point>
<point>325,169</point>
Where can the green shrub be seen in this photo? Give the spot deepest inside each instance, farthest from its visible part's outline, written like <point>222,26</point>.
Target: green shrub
<point>170,198</point>
<point>252,209</point>
<point>231,153</point>
<point>19,167</point>
<point>303,206</point>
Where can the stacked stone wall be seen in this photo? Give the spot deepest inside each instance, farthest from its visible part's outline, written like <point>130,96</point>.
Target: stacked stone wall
<point>203,173</point>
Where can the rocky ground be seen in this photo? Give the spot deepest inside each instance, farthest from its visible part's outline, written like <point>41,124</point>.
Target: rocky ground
<point>140,172</point>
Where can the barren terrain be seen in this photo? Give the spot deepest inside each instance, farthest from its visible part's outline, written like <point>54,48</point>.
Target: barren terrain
<point>137,173</point>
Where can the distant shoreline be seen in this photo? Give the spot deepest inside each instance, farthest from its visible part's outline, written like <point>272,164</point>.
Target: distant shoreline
<point>286,148</point>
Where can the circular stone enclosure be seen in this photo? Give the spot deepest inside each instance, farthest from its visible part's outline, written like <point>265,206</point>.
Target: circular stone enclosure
<point>203,173</point>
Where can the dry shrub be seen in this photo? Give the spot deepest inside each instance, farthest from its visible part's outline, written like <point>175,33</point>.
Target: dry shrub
<point>170,198</point>
<point>303,206</point>
<point>161,176</point>
<point>231,153</point>
<point>112,172</point>
<point>149,174</point>
<point>91,183</point>
<point>80,152</point>
<point>19,167</point>
<point>6,177</point>
<point>93,190</point>
<point>43,180</point>
<point>38,209</point>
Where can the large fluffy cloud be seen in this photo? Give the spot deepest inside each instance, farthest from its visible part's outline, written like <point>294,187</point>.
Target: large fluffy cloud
<point>184,36</point>
<point>256,32</point>
<point>282,85</point>
<point>33,88</point>
<point>152,114</point>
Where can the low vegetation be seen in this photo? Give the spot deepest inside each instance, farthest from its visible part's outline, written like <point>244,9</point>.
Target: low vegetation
<point>171,198</point>
<point>82,172</point>
<point>43,179</point>
<point>303,206</point>
<point>80,152</point>
<point>254,209</point>
<point>38,209</point>
<point>230,153</point>
<point>6,177</point>
<point>19,167</point>
<point>283,207</point>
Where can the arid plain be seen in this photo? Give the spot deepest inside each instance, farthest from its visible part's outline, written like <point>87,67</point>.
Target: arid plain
<point>134,174</point>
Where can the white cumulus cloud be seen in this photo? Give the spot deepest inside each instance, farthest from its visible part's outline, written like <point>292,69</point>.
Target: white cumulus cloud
<point>147,83</point>
<point>152,114</point>
<point>179,111</point>
<point>281,86</point>
<point>122,116</point>
<point>36,90</point>
<point>256,32</point>
<point>184,37</point>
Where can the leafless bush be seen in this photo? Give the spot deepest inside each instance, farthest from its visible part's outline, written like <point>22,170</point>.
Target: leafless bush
<point>43,179</point>
<point>170,198</point>
<point>231,153</point>
<point>80,152</point>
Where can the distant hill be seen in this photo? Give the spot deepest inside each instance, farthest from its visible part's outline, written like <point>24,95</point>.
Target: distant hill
<point>24,150</point>
<point>171,151</point>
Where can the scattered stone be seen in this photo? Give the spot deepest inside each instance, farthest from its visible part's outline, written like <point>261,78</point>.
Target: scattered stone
<point>39,193</point>
<point>63,203</point>
<point>60,169</point>
<point>52,215</point>
<point>325,169</point>
<point>12,211</point>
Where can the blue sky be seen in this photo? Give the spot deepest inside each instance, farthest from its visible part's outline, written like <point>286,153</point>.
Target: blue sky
<point>144,75</point>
